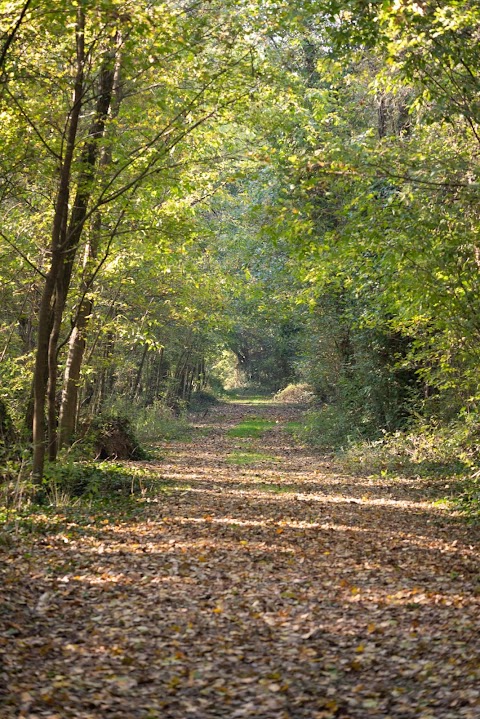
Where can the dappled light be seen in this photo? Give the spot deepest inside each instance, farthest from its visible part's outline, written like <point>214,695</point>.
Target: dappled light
<point>239,359</point>
<point>269,591</point>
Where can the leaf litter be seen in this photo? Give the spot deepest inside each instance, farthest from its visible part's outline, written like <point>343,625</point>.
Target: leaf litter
<point>281,590</point>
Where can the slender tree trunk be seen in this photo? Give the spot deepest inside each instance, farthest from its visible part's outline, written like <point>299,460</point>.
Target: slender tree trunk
<point>160,375</point>
<point>11,35</point>
<point>76,349</point>
<point>88,163</point>
<point>104,386</point>
<point>382,117</point>
<point>77,343</point>
<point>45,320</point>
<point>138,377</point>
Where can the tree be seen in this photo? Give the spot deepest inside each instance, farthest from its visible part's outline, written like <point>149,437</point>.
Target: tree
<point>160,109</point>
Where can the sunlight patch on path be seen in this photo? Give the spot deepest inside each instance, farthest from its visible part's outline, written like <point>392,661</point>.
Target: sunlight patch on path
<point>282,592</point>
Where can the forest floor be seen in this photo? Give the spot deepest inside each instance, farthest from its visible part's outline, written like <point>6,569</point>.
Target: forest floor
<point>256,581</point>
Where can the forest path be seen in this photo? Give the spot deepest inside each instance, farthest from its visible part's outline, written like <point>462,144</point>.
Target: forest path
<point>259,582</point>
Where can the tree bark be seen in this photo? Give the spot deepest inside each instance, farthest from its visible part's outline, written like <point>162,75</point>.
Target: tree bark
<point>138,377</point>
<point>76,349</point>
<point>45,314</point>
<point>88,162</point>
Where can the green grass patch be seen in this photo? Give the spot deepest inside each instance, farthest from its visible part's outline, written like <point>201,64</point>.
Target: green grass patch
<point>247,395</point>
<point>258,401</point>
<point>242,458</point>
<point>254,427</point>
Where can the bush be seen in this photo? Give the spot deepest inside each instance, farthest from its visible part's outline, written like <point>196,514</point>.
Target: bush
<point>420,452</point>
<point>423,449</point>
<point>16,486</point>
<point>114,438</point>
<point>157,422</point>
<point>91,480</point>
<point>329,428</point>
<point>296,394</point>
<point>8,435</point>
<point>437,452</point>
<point>201,401</point>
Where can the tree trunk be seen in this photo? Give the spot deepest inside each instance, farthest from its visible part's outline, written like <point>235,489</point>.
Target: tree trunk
<point>8,435</point>
<point>161,373</point>
<point>107,379</point>
<point>138,377</point>
<point>76,349</point>
<point>45,316</point>
<point>88,162</point>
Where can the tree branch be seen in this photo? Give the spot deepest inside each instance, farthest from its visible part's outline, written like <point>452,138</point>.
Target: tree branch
<point>11,37</point>
<point>22,255</point>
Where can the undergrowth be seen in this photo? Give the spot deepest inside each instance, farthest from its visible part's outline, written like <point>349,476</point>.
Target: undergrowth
<point>78,494</point>
<point>295,394</point>
<point>114,437</point>
<point>435,451</point>
<point>201,401</point>
<point>62,513</point>
<point>93,480</point>
<point>439,452</point>
<point>65,482</point>
<point>156,422</point>
<point>328,429</point>
<point>78,478</point>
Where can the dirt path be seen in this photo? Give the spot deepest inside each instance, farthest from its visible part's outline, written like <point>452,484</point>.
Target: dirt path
<point>277,589</point>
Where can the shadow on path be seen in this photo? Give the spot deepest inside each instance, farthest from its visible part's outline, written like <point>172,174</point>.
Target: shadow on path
<point>276,590</point>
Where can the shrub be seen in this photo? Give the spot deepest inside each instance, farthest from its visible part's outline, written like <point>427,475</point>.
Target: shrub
<point>91,480</point>
<point>114,438</point>
<point>329,428</point>
<point>296,394</point>
<point>8,435</point>
<point>201,401</point>
<point>157,422</point>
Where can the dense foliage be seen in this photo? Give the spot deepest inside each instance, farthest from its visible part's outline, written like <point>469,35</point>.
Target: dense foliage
<point>241,193</point>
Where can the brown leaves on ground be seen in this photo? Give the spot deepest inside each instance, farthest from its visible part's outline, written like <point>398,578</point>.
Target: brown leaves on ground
<point>280,589</point>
